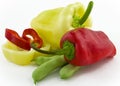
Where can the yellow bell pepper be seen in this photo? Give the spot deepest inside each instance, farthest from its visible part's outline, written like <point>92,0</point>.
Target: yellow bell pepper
<point>19,56</point>
<point>52,24</point>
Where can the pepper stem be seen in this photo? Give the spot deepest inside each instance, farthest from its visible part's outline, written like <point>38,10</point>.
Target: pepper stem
<point>87,13</point>
<point>67,50</point>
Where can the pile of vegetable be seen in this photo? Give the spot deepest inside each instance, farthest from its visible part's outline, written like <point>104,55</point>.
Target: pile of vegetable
<point>59,38</point>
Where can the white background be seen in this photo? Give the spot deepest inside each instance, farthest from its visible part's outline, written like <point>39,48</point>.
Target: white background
<point>17,14</point>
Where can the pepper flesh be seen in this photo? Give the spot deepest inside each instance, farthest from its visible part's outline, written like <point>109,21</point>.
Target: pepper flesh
<point>13,36</point>
<point>36,39</point>
<point>24,41</point>
<point>90,46</point>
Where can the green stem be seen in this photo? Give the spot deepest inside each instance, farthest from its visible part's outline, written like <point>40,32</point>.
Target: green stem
<point>67,50</point>
<point>41,51</point>
<point>87,13</point>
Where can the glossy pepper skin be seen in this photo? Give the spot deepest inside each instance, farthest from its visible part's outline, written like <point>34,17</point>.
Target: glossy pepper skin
<point>90,46</point>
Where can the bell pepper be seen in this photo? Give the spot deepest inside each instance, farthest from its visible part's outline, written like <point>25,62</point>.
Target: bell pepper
<point>83,46</point>
<point>20,56</point>
<point>17,55</point>
<point>90,46</point>
<point>52,24</point>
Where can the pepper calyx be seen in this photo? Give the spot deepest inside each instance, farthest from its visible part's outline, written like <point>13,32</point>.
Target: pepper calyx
<point>69,50</point>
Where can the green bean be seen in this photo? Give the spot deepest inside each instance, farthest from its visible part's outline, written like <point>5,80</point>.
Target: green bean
<point>46,68</point>
<point>42,59</point>
<point>68,71</point>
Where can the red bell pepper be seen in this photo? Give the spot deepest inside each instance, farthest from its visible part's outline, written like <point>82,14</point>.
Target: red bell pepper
<point>90,46</point>
<point>24,41</point>
<point>83,47</point>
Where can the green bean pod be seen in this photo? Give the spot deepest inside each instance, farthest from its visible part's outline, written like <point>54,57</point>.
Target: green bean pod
<point>46,68</point>
<point>68,71</point>
<point>42,59</point>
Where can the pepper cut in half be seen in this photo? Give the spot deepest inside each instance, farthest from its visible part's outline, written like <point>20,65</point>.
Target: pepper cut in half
<point>17,55</point>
